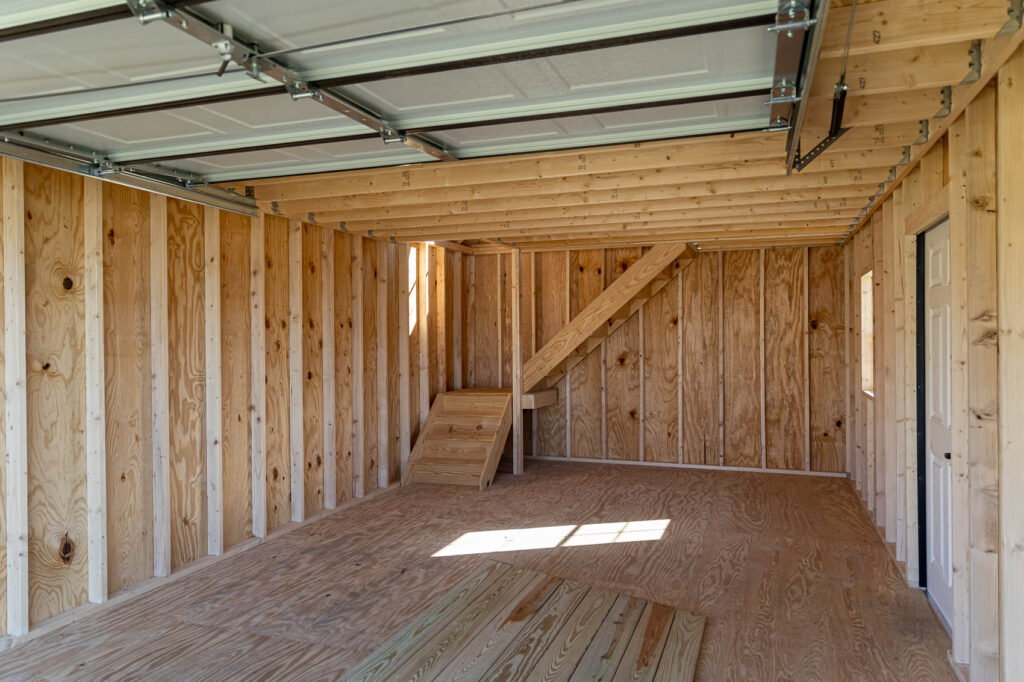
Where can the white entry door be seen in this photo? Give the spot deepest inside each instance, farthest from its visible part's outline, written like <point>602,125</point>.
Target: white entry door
<point>938,436</point>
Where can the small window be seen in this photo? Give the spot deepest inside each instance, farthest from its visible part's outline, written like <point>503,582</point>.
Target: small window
<point>867,334</point>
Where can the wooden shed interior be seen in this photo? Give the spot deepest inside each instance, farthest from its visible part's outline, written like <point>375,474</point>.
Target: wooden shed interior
<point>512,339</point>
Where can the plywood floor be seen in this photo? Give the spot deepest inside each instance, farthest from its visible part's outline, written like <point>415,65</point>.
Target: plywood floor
<point>792,578</point>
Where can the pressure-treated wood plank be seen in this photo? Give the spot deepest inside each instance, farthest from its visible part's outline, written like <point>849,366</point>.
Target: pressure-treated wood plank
<point>701,288</point>
<point>586,281</point>
<point>238,397</point>
<point>741,277</point>
<point>214,386</point>
<point>599,311</point>
<point>551,317</point>
<point>825,350</point>
<point>278,473</point>
<point>127,357</point>
<point>328,376</point>
<point>602,657</point>
<point>643,654</point>
<point>296,384</point>
<point>258,375</point>
<point>95,399</point>
<point>312,370</point>
<point>785,347</point>
<point>344,364</point>
<point>187,381</point>
<point>54,347</point>
<point>15,470</point>
<point>682,648</point>
<point>1010,218</point>
<point>372,362</point>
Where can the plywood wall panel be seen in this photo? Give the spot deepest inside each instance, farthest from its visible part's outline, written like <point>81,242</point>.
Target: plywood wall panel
<point>235,342</point>
<point>622,372</point>
<point>55,352</point>
<point>3,436</point>
<point>187,381</point>
<point>343,362</point>
<point>701,289</point>
<point>276,305</point>
<point>312,370</point>
<point>551,317</point>
<point>129,431</point>
<point>826,344</point>
<point>370,361</point>
<point>785,349</point>
<point>742,357</point>
<point>586,282</point>
<point>484,322</point>
<point>661,376</point>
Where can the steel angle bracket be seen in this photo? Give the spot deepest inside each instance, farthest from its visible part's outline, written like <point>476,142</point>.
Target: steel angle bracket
<point>801,162</point>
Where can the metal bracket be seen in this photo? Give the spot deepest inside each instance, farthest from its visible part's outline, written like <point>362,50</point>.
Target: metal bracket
<point>250,191</point>
<point>801,162</point>
<point>905,159</point>
<point>274,209</point>
<point>310,218</point>
<point>922,132</point>
<point>783,93</point>
<point>1016,13</point>
<point>390,135</point>
<point>974,53</point>
<point>791,18</point>
<point>341,226</point>
<point>148,11</point>
<point>947,102</point>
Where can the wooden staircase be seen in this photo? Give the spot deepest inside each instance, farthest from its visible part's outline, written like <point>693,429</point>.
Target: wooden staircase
<point>463,438</point>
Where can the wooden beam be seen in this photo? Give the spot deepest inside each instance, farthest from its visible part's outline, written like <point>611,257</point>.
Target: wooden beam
<point>887,25</point>
<point>591,318</point>
<point>667,183</point>
<point>457,321</point>
<point>518,445</point>
<point>910,68</point>
<point>383,422</point>
<point>327,367</point>
<point>258,376</point>
<point>95,392</point>
<point>15,396</point>
<point>997,51</point>
<point>296,444</point>
<point>358,370</point>
<point>404,399</point>
<point>422,311</point>
<point>539,399</point>
<point>160,359</point>
<point>1010,250</point>
<point>214,416</point>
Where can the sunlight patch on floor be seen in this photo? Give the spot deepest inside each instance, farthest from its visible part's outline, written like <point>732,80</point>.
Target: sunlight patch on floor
<point>546,537</point>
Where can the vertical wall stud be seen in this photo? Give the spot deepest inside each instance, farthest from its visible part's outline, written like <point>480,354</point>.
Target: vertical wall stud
<point>383,421</point>
<point>643,384</point>
<point>16,403</point>
<point>807,360</point>
<point>679,367</point>
<point>568,374</point>
<point>456,320</point>
<point>160,358</point>
<point>258,380</point>
<point>327,365</point>
<point>296,445</point>
<point>358,396</point>
<point>470,314</point>
<point>440,316</point>
<point>422,312</point>
<point>499,348</point>
<point>517,363</point>
<point>214,435</point>
<point>404,423</point>
<point>721,358</point>
<point>764,395</point>
<point>95,392</point>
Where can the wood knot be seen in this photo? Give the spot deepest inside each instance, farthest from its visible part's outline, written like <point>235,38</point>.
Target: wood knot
<point>273,473</point>
<point>110,237</point>
<point>839,423</point>
<point>632,413</point>
<point>309,375</point>
<point>67,283</point>
<point>46,366</point>
<point>814,324</point>
<point>67,549</point>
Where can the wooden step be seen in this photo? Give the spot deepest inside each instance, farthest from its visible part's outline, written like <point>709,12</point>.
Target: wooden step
<point>462,439</point>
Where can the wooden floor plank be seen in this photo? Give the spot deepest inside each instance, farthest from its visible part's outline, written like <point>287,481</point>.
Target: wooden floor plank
<point>566,649</point>
<point>537,636</point>
<point>601,659</point>
<point>640,660</point>
<point>679,657</point>
<point>437,652</point>
<point>427,623</point>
